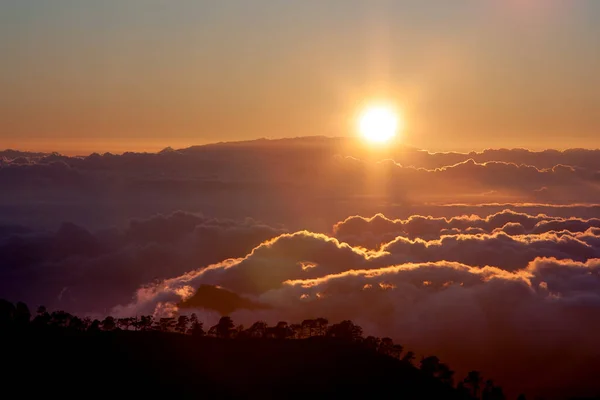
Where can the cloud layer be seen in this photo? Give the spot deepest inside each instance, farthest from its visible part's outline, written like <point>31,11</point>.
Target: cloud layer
<point>485,259</point>
<point>477,297</point>
<point>75,269</point>
<point>304,183</point>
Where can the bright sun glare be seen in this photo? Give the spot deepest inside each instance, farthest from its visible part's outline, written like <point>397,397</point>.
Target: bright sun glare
<point>379,124</point>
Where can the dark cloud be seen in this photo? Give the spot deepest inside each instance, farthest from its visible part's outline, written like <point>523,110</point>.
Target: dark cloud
<point>94,271</point>
<point>220,300</point>
<point>305,183</point>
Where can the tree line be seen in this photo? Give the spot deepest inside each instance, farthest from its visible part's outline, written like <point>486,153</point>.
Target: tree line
<point>473,386</point>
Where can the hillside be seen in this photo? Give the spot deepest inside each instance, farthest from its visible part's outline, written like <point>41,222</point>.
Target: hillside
<point>155,364</point>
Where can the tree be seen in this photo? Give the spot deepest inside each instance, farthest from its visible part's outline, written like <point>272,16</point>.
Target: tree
<point>42,318</point>
<point>166,324</point>
<point>409,357</point>
<point>87,322</point>
<point>76,324</point>
<point>372,343</point>
<point>257,330</point>
<point>320,326</point>
<point>237,332</point>
<point>60,319</point>
<point>463,392</point>
<point>345,330</point>
<point>433,367</point>
<point>297,329</point>
<point>280,331</point>
<point>124,323</point>
<point>224,328</point>
<point>492,392</point>
<point>308,327</point>
<point>196,326</point>
<point>95,326</point>
<point>386,346</point>
<point>109,323</point>
<point>182,324</point>
<point>473,381</point>
<point>7,314</point>
<point>397,351</point>
<point>445,374</point>
<point>430,365</point>
<point>22,315</point>
<point>145,323</point>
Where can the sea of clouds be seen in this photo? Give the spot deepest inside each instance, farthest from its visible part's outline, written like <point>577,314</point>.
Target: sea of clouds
<point>489,260</point>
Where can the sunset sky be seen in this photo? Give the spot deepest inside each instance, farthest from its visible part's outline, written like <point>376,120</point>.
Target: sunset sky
<point>428,169</point>
<point>114,75</point>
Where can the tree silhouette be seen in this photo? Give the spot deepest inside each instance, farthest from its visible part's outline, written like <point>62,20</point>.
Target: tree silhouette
<point>386,346</point>
<point>95,326</point>
<point>445,374</point>
<point>397,350</point>
<point>372,342</point>
<point>473,381</point>
<point>471,387</point>
<point>257,330</point>
<point>409,357</point>
<point>433,367</point>
<point>109,323</point>
<point>280,331</point>
<point>42,318</point>
<point>145,323</point>
<point>224,328</point>
<point>166,324</point>
<point>60,319</point>
<point>125,323</point>
<point>320,326</point>
<point>7,314</point>
<point>308,327</point>
<point>345,330</point>
<point>76,324</point>
<point>182,324</point>
<point>22,315</point>
<point>492,392</point>
<point>430,365</point>
<point>297,329</point>
<point>237,332</point>
<point>196,327</point>
<point>463,392</point>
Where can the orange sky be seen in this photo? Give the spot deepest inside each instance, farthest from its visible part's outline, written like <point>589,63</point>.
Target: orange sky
<point>138,75</point>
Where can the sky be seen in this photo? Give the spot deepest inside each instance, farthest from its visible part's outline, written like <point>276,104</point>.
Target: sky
<point>81,75</point>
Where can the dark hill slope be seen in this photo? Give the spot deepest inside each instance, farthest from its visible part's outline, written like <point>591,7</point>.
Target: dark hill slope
<point>157,365</point>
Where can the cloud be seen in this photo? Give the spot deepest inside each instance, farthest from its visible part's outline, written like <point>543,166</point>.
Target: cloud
<point>374,231</point>
<point>477,300</point>
<point>305,255</point>
<point>94,271</point>
<point>512,281</point>
<point>471,316</point>
<point>218,299</point>
<point>276,181</point>
<point>39,265</point>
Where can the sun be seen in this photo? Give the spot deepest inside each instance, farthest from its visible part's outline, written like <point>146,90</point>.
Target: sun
<point>379,124</point>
